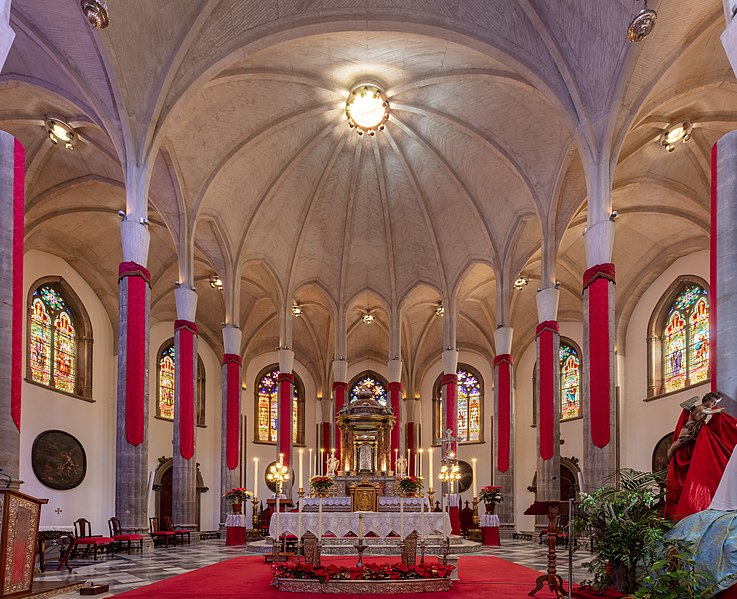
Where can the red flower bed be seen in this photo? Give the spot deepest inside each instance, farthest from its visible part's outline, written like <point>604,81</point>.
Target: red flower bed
<point>395,571</point>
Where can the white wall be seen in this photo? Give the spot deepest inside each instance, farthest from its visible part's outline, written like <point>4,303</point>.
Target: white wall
<point>93,424</point>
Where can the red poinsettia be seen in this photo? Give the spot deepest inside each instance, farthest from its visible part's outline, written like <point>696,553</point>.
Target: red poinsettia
<point>395,571</point>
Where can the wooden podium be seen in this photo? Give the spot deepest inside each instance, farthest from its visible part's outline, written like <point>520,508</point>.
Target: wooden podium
<point>551,509</point>
<point>19,518</point>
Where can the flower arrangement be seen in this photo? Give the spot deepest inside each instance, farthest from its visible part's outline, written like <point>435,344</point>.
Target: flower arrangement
<point>491,494</point>
<point>395,571</point>
<point>237,495</point>
<point>411,484</point>
<point>321,484</point>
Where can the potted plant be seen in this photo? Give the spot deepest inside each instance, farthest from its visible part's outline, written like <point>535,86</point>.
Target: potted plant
<point>491,495</point>
<point>320,485</point>
<point>236,497</point>
<point>411,485</point>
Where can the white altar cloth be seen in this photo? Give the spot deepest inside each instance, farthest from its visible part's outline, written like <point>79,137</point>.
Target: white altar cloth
<point>489,520</point>
<point>343,504</point>
<point>379,523</point>
<point>238,520</point>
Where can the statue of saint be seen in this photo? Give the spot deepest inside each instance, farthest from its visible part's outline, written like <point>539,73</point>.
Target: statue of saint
<point>333,464</point>
<point>401,466</point>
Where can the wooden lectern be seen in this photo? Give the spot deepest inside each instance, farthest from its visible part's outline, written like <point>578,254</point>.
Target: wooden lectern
<point>551,509</point>
<point>19,518</point>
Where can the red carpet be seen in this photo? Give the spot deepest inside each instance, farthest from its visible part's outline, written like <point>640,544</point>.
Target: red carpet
<point>251,577</point>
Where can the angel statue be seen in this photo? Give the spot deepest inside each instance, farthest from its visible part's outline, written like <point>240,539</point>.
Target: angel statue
<point>333,464</point>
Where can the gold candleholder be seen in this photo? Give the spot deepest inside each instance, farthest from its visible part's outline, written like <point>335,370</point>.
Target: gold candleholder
<point>475,512</point>
<point>431,498</point>
<point>254,518</point>
<point>301,493</point>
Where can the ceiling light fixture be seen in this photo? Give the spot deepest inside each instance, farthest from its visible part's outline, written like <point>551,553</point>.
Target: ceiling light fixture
<point>216,282</point>
<point>96,13</point>
<point>60,132</point>
<point>520,283</point>
<point>642,25</point>
<point>440,310</point>
<point>675,133</point>
<point>297,310</point>
<point>368,318</point>
<point>367,109</point>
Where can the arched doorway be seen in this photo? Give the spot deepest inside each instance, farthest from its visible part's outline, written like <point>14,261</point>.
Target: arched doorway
<point>163,488</point>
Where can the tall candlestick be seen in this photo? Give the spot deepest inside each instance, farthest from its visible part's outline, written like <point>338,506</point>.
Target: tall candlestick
<point>311,465</point>
<point>301,477</point>
<point>255,477</point>
<point>409,457</point>
<point>473,476</point>
<point>322,461</point>
<point>422,518</point>
<point>430,470</point>
<point>396,459</point>
<point>420,452</point>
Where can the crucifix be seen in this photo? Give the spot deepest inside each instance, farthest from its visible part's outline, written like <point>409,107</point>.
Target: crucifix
<point>447,443</point>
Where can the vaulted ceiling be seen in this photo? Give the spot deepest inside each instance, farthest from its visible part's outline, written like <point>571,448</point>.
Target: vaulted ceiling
<point>236,109</point>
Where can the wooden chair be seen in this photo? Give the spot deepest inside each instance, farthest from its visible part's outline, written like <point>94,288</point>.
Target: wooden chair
<point>117,534</point>
<point>161,536</point>
<point>86,539</point>
<point>181,533</point>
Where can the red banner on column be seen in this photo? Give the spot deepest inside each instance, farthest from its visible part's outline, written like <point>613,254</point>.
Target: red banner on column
<point>286,380</point>
<point>16,339</point>
<point>138,278</point>
<point>395,400</point>
<point>340,389</point>
<point>185,364</point>
<point>449,382</point>
<point>548,368</point>
<point>596,280</point>
<point>232,363</point>
<point>325,446</point>
<point>503,364</point>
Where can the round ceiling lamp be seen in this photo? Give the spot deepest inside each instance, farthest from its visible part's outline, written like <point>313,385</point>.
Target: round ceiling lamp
<point>96,13</point>
<point>60,132</point>
<point>367,109</point>
<point>642,25</point>
<point>671,136</point>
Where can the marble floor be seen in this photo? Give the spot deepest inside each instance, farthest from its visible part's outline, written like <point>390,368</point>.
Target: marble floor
<point>123,572</point>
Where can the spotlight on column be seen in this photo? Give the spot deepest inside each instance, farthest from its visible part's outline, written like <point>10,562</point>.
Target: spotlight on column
<point>613,216</point>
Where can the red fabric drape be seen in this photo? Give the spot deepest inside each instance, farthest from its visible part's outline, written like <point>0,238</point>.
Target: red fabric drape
<point>411,447</point>
<point>186,331</point>
<point>449,381</point>
<point>286,381</point>
<point>713,271</point>
<point>503,364</point>
<point>548,367</point>
<point>696,469</point>
<point>16,340</point>
<point>232,363</point>
<point>135,351</point>
<point>325,446</point>
<point>395,399</point>
<point>596,280</point>
<point>340,388</point>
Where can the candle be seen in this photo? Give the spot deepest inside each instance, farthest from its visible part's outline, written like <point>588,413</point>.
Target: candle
<point>299,516</point>
<point>255,477</point>
<point>396,459</point>
<point>430,471</point>
<point>281,459</point>
<point>322,461</point>
<point>409,457</point>
<point>301,477</point>
<point>422,519</point>
<point>473,476</point>
<point>420,452</point>
<point>311,464</point>
<point>401,517</point>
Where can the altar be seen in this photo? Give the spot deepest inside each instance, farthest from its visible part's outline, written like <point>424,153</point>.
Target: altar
<point>381,524</point>
<point>386,504</point>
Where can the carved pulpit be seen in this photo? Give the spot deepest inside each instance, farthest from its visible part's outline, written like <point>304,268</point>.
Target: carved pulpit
<point>365,496</point>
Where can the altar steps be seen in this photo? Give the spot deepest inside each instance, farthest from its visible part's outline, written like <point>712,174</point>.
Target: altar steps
<point>375,546</point>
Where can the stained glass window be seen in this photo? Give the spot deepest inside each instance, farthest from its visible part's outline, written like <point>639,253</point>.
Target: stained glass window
<point>686,340</point>
<point>469,407</point>
<point>378,392</point>
<point>52,355</point>
<point>267,409</point>
<point>167,367</point>
<point>570,382</point>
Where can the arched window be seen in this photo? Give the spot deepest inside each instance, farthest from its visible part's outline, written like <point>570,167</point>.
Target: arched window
<point>678,342</point>
<point>59,339</point>
<point>267,407</point>
<point>372,381</point>
<point>166,373</point>
<point>469,404</point>
<point>570,380</point>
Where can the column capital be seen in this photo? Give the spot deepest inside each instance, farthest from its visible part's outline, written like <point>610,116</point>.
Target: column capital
<point>286,360</point>
<point>136,239</point>
<point>547,304</point>
<point>599,242</point>
<point>503,340</point>
<point>340,370</point>
<point>450,361</point>
<point>186,300</point>
<point>232,339</point>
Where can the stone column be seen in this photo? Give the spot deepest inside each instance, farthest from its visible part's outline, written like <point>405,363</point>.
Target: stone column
<point>12,297</point>
<point>340,392</point>
<point>131,462</point>
<point>547,396</point>
<point>285,421</point>
<point>599,379</point>
<point>7,35</point>
<point>231,415</point>
<point>723,283</point>
<point>449,389</point>
<point>504,418</point>
<point>184,470</point>
<point>395,401</point>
